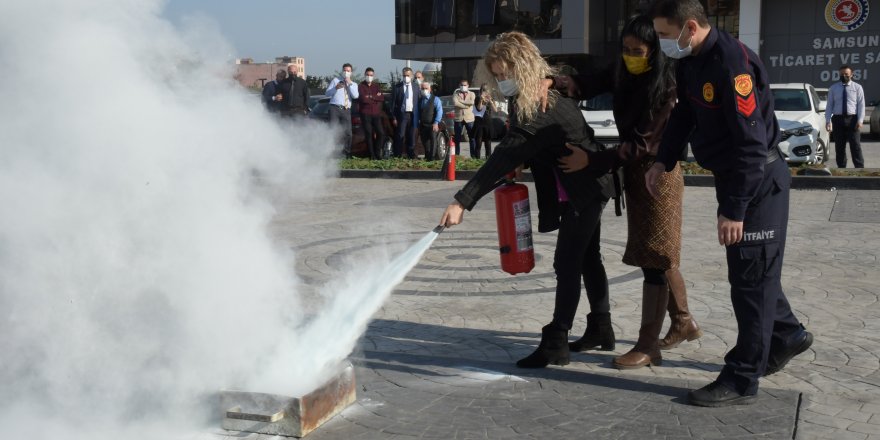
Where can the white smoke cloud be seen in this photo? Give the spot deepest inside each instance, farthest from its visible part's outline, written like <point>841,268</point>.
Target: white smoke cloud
<point>136,271</point>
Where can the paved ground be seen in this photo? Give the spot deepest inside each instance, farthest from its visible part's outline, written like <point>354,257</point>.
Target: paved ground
<point>437,361</point>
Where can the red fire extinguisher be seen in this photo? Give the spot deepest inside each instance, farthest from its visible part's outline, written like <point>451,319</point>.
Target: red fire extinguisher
<point>514,227</point>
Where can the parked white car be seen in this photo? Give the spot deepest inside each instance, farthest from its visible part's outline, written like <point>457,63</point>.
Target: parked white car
<point>599,114</point>
<point>801,116</point>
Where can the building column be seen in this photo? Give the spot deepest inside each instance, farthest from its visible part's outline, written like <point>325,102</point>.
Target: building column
<point>750,24</point>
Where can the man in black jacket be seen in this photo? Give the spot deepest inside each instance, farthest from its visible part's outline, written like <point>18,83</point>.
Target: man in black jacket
<point>295,94</point>
<point>404,101</point>
<point>272,96</point>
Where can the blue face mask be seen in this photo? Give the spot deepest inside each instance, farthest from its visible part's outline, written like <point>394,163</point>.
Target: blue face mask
<point>508,87</point>
<point>671,49</point>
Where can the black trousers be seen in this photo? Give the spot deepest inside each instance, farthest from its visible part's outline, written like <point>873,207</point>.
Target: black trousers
<point>845,131</point>
<point>342,117</point>
<point>577,256</point>
<point>405,133</point>
<point>482,135</point>
<point>754,268</point>
<point>373,126</point>
<point>428,138</point>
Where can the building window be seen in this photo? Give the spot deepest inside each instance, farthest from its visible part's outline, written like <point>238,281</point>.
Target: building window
<point>723,14</point>
<point>438,21</point>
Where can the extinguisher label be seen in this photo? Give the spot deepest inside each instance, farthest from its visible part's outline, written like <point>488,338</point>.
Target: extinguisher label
<point>523,219</point>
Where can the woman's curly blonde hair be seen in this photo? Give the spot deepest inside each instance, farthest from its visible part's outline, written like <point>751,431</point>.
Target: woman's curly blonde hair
<point>522,62</point>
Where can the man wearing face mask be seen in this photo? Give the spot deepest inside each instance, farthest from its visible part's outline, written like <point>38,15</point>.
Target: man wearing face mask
<point>296,94</point>
<point>430,111</point>
<point>463,100</point>
<point>370,108</point>
<point>844,114</point>
<point>342,91</point>
<point>725,109</point>
<point>404,100</point>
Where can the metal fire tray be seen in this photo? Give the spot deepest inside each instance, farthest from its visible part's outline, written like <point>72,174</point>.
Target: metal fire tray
<point>274,414</point>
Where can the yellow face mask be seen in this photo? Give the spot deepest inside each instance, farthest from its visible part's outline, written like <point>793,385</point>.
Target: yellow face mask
<point>636,65</point>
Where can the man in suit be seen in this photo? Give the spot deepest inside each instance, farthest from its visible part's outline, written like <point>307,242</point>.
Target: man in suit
<point>404,105</point>
<point>272,90</point>
<point>296,103</point>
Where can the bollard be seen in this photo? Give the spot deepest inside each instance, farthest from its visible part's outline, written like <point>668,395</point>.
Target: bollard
<point>450,169</point>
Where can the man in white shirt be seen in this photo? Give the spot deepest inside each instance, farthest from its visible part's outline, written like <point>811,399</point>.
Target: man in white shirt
<point>342,92</point>
<point>404,100</point>
<point>844,113</point>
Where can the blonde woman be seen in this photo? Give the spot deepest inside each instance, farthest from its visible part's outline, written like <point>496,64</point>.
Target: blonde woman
<point>569,202</point>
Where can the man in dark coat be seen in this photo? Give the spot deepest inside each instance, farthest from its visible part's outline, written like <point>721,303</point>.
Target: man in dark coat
<point>296,101</point>
<point>272,90</point>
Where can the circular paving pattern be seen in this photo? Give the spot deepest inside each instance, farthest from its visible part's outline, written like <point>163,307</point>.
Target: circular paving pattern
<point>457,264</point>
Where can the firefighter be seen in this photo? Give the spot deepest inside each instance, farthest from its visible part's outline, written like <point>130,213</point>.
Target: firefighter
<point>570,202</point>
<point>725,105</point>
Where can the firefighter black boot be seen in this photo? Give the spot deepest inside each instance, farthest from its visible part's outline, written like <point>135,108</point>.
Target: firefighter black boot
<point>553,349</point>
<point>599,333</point>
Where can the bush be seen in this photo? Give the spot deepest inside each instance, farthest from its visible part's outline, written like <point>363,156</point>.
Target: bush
<point>400,164</point>
<point>468,164</point>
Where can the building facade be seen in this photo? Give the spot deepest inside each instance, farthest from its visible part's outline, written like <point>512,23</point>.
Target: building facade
<point>798,40</point>
<point>254,75</point>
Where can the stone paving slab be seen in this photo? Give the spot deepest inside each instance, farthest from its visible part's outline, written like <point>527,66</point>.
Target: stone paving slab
<point>425,396</point>
<point>456,309</point>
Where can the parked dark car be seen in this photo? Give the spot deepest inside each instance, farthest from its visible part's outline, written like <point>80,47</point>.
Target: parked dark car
<point>315,99</point>
<point>321,112</point>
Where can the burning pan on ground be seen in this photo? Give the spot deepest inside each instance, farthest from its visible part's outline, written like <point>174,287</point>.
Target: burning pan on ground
<point>274,414</point>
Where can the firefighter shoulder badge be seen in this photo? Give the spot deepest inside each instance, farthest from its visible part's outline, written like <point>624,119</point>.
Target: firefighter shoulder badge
<point>708,92</point>
<point>745,99</point>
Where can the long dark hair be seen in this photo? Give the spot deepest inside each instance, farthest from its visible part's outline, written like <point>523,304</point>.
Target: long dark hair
<point>661,77</point>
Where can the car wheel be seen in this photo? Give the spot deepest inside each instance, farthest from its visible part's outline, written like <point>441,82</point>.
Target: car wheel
<point>442,147</point>
<point>821,152</point>
<point>387,148</point>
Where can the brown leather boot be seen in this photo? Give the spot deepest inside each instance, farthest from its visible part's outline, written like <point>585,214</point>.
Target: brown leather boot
<point>683,326</point>
<point>646,351</point>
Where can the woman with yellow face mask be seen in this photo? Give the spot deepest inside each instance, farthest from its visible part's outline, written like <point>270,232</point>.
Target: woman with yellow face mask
<point>643,85</point>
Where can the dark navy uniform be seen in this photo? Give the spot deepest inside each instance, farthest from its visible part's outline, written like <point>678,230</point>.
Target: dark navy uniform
<point>725,108</point>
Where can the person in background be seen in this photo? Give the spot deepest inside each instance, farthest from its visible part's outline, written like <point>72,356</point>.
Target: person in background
<point>430,111</point>
<point>342,91</point>
<point>463,101</point>
<point>483,109</point>
<point>404,100</point>
<point>273,105</point>
<point>370,101</point>
<point>569,202</point>
<point>419,79</point>
<point>725,110</point>
<point>643,83</point>
<point>296,103</point>
<point>844,113</point>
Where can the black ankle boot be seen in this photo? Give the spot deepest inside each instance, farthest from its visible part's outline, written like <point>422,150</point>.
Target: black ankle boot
<point>599,333</point>
<point>553,349</point>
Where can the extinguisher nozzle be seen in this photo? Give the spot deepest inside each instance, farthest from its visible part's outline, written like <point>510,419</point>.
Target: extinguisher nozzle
<point>439,229</point>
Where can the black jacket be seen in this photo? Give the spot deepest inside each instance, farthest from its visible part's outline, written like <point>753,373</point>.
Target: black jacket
<point>295,94</point>
<point>539,144</point>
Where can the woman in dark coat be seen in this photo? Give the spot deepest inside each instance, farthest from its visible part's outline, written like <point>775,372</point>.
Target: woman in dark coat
<point>571,202</point>
<point>643,84</point>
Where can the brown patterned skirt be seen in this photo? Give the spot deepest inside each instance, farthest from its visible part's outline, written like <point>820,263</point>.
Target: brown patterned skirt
<point>654,225</point>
